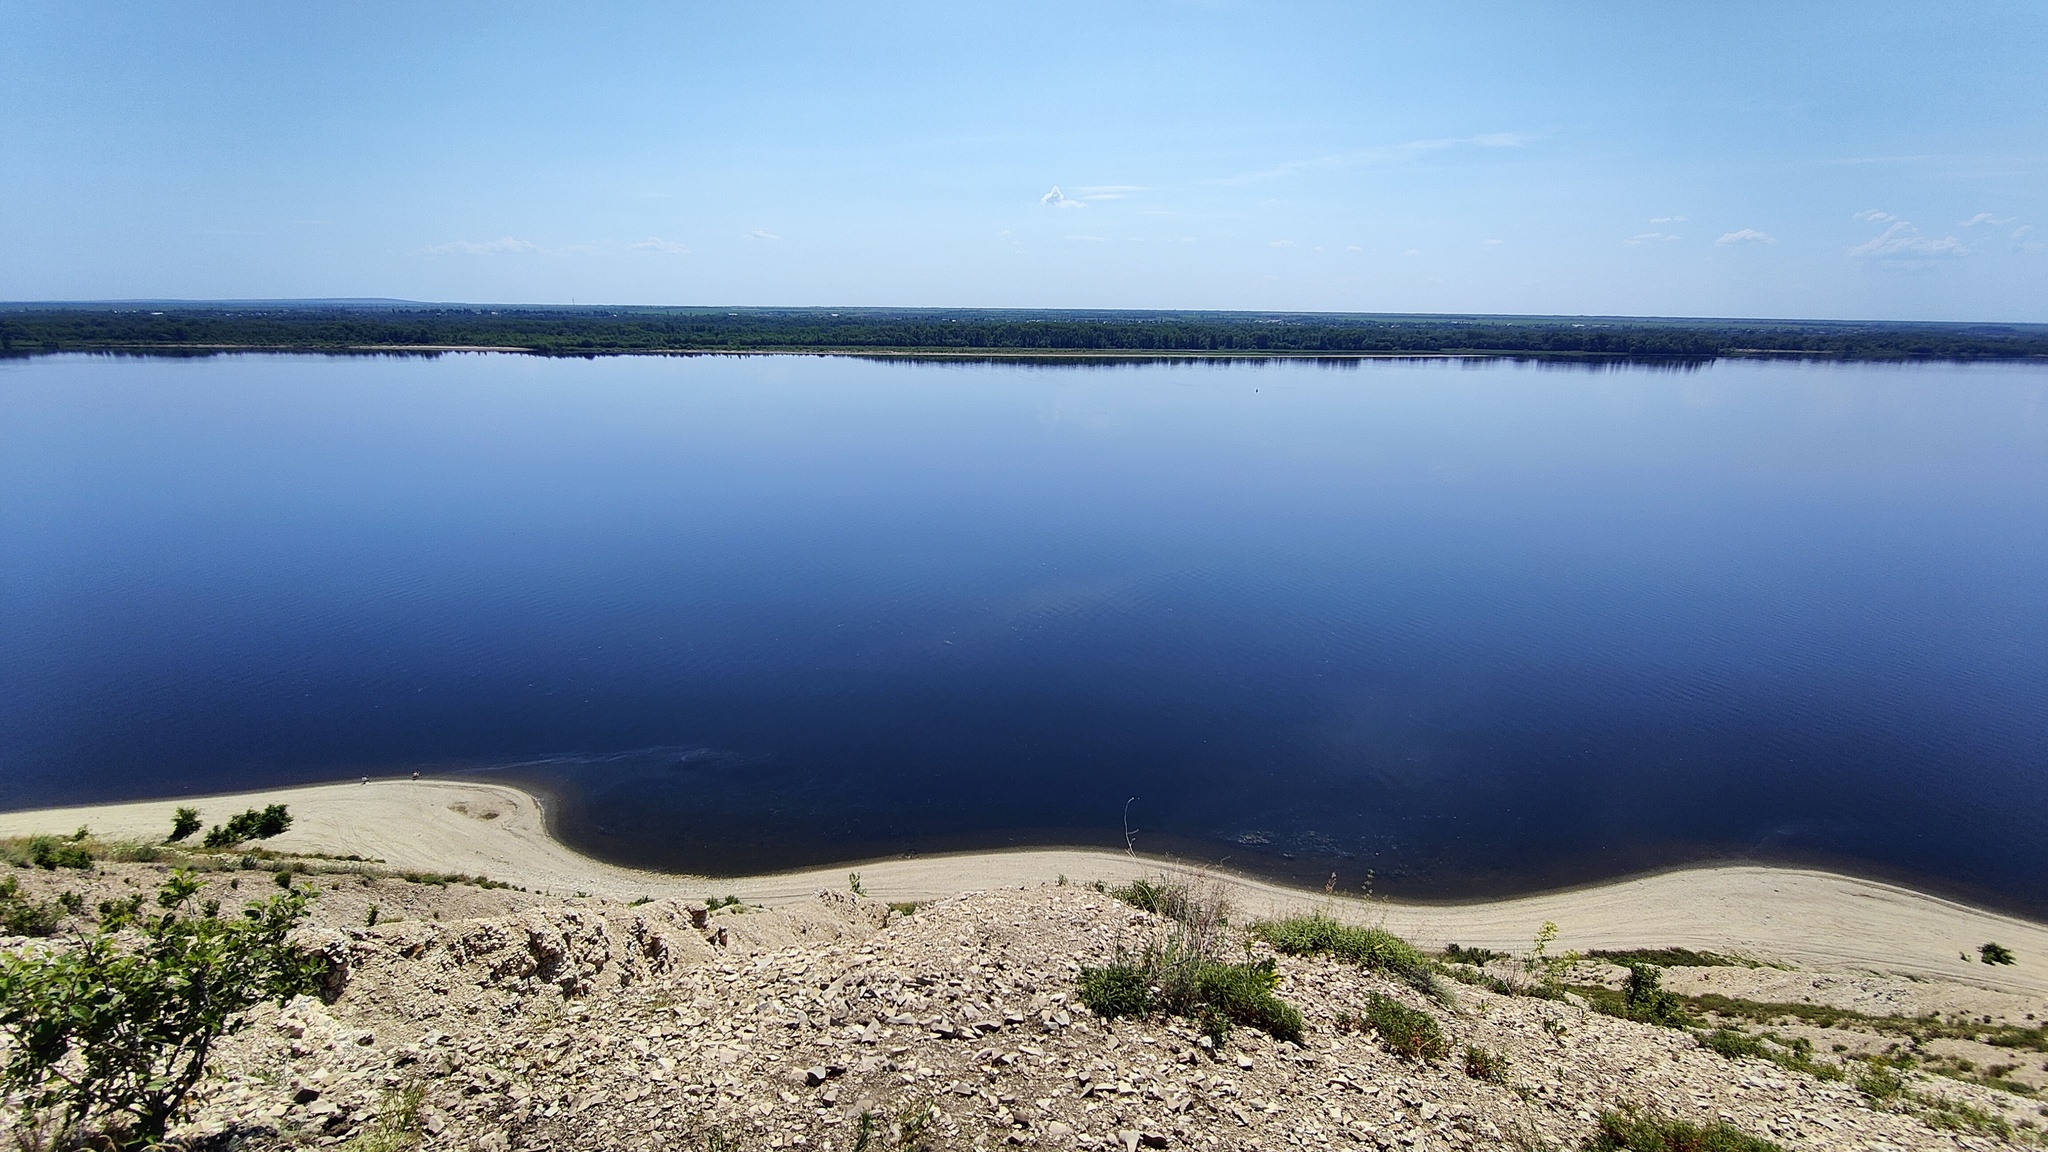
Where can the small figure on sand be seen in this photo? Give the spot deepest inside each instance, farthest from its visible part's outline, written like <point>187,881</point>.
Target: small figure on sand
<point>415,775</point>
<point>366,779</point>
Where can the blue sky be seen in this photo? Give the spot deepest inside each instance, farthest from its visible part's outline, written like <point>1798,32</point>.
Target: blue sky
<point>1868,160</point>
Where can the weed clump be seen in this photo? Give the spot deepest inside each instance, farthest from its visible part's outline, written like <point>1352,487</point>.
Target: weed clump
<point>20,916</point>
<point>1996,954</point>
<point>1486,1064</point>
<point>1374,948</point>
<point>1646,1132</point>
<point>273,820</point>
<point>184,822</point>
<point>1646,1002</point>
<point>1216,995</point>
<point>1407,1032</point>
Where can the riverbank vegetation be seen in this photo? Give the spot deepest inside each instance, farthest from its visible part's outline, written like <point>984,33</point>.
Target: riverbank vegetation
<point>198,329</point>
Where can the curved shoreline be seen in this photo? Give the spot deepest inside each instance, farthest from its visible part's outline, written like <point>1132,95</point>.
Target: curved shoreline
<point>1803,916</point>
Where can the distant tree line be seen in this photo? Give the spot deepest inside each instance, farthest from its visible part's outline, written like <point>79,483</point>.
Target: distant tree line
<point>199,329</point>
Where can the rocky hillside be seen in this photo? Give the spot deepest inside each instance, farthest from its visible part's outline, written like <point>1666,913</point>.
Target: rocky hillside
<point>466,1018</point>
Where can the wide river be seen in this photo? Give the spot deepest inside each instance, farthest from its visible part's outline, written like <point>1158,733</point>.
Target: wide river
<point>1459,628</point>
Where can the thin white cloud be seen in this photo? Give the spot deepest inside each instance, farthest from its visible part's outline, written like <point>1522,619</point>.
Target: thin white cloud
<point>1282,244</point>
<point>503,244</point>
<point>1405,151</point>
<point>1491,243</point>
<point>1083,197</point>
<point>1412,252</point>
<point>1986,218</point>
<point>1651,238</point>
<point>762,234</point>
<point>1667,220</point>
<point>1745,236</point>
<point>1107,192</point>
<point>657,244</point>
<point>1901,241</point>
<point>1353,248</point>
<point>1090,239</point>
<point>1874,215</point>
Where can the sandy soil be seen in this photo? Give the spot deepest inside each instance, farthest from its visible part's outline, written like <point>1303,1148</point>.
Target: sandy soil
<point>1809,918</point>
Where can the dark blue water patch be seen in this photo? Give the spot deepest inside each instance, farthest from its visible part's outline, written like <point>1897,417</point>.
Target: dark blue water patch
<point>1469,628</point>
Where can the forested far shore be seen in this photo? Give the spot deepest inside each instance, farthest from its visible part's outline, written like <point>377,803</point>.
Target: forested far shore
<point>28,330</point>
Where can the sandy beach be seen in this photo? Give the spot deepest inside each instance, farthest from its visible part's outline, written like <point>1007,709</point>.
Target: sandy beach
<point>1799,916</point>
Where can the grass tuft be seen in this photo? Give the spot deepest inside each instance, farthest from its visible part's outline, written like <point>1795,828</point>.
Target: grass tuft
<point>1374,948</point>
<point>1631,1131</point>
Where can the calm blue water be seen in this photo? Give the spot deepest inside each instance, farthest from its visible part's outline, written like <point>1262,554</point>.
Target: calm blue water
<point>1471,627</point>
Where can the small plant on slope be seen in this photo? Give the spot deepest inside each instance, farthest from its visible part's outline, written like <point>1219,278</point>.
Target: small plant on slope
<point>1373,948</point>
<point>1631,1131</point>
<point>115,1032</point>
<point>183,823</point>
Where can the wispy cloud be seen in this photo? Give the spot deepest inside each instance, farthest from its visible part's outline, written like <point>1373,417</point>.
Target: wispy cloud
<point>762,234</point>
<point>657,244</point>
<point>1667,220</point>
<point>1282,244</point>
<point>1393,154</point>
<point>1651,238</point>
<point>1083,197</point>
<point>1090,239</point>
<point>1745,236</point>
<point>1902,241</point>
<point>1875,216</point>
<point>1986,218</point>
<point>501,245</point>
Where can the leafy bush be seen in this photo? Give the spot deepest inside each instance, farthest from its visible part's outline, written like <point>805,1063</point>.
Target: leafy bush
<point>1406,1032</point>
<point>22,917</point>
<point>1996,954</point>
<point>1733,1044</point>
<point>50,853</point>
<point>1479,957</point>
<point>1215,995</point>
<point>1373,948</point>
<point>183,823</point>
<point>249,825</point>
<point>115,1032</point>
<point>1648,1003</point>
<point>1486,1064</point>
<point>1646,1132</point>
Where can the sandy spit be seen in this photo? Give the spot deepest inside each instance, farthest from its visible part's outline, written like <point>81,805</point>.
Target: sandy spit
<point>1799,916</point>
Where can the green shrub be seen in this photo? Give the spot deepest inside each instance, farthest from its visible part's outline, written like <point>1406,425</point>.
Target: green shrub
<point>1486,1064</point>
<point>1373,948</point>
<point>1647,1002</point>
<point>50,853</point>
<point>183,823</point>
<point>1478,957</point>
<point>1213,994</point>
<point>114,1033</point>
<point>1996,954</point>
<point>1879,1084</point>
<point>1646,1132</point>
<point>249,825</point>
<point>1733,1044</point>
<point>1407,1032</point>
<point>22,917</point>
<point>1117,990</point>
